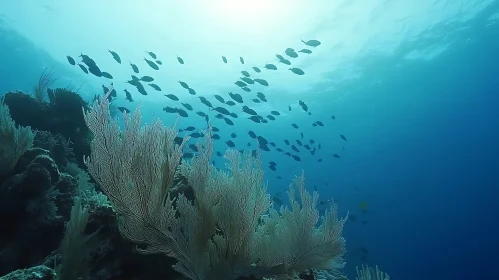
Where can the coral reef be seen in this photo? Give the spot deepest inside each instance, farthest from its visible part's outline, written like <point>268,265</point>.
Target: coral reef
<point>61,115</point>
<point>203,223</point>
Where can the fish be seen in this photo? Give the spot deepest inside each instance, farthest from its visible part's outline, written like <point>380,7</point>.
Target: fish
<point>92,66</point>
<point>245,73</point>
<point>152,64</point>
<point>128,96</point>
<point>285,61</point>
<point>228,121</point>
<point>233,135</point>
<point>123,110</point>
<point>270,66</point>
<point>241,59</point>
<point>303,105</point>
<point>264,147</point>
<point>252,134</point>
<point>83,68</point>
<point>219,98</point>
<point>134,67</point>
<point>224,59</point>
<point>230,103</point>
<point>71,60</point>
<point>147,79</point>
<point>333,117</point>
<point>183,84</point>
<point>257,119</point>
<point>222,110</point>
<point>247,80</point>
<point>191,91</point>
<point>193,147</point>
<point>205,101</point>
<point>262,82</point>
<point>297,71</point>
<point>230,143</point>
<point>294,125</point>
<point>240,84</point>
<point>271,117</point>
<point>182,113</point>
<point>297,158</point>
<point>178,140</point>
<point>343,137</point>
<point>312,43</point>
<point>87,60</point>
<point>106,75</point>
<point>307,51</point>
<point>159,62</point>
<point>275,113</point>
<point>195,135</point>
<point>248,110</point>
<point>215,136</point>
<point>115,56</point>
<point>141,89</point>
<point>180,60</point>
<point>155,86</point>
<point>237,97</point>
<point>291,53</point>
<point>336,156</point>
<point>187,106</point>
<point>189,128</point>
<point>256,100</point>
<point>201,114</point>
<point>246,89</point>
<point>256,69</point>
<point>153,55</point>
<point>95,70</point>
<point>172,97</point>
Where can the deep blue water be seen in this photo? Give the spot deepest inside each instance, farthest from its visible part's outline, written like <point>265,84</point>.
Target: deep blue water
<point>422,149</point>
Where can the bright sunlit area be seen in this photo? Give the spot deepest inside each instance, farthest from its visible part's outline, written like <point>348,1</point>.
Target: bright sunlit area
<point>202,31</point>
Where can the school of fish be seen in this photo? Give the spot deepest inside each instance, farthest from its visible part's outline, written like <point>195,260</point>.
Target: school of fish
<point>225,108</point>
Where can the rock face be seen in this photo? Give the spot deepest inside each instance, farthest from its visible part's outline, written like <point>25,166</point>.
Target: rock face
<point>40,272</point>
<point>32,218</point>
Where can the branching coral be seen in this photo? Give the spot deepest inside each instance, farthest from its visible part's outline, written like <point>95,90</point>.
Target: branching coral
<point>14,141</point>
<point>228,229</point>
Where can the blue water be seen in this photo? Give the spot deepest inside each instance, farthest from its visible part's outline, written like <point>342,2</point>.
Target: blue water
<point>414,85</point>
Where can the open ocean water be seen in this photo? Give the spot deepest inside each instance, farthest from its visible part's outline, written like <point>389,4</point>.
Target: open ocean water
<point>396,111</point>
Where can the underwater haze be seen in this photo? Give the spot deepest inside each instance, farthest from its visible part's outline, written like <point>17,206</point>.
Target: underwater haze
<point>396,110</point>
